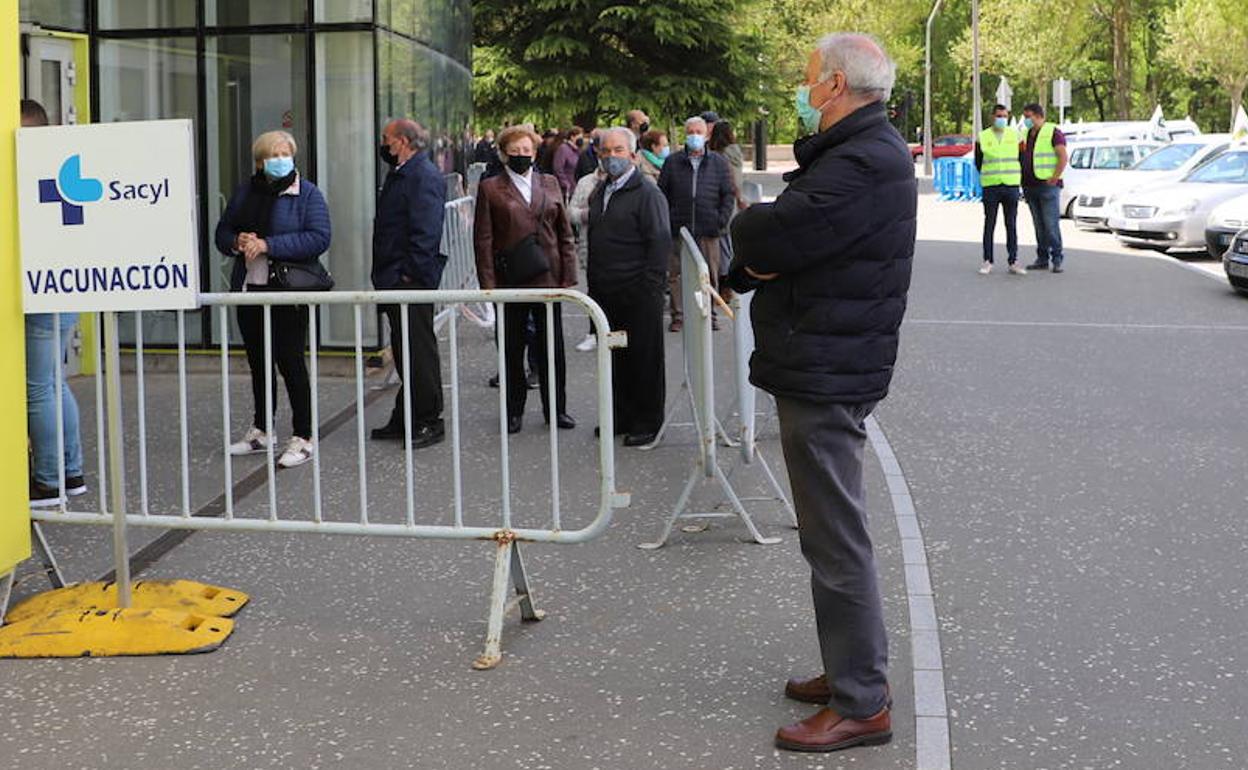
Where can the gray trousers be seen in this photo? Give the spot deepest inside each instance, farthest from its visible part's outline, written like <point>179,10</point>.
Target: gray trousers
<point>823,447</point>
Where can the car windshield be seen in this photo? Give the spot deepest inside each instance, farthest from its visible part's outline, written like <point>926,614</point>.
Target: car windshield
<point>1227,168</point>
<point>1167,158</point>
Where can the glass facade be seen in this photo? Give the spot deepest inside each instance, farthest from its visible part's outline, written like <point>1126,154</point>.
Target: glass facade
<point>330,72</point>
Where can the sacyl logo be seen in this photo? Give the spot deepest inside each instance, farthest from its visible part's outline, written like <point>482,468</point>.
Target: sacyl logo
<point>71,190</point>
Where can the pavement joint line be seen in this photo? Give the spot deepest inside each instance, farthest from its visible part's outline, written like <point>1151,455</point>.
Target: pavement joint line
<point>151,553</point>
<point>1080,325</point>
<point>932,746</point>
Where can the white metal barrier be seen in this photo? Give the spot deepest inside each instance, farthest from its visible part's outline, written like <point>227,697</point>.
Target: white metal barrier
<point>460,273</point>
<point>699,385</point>
<point>491,520</point>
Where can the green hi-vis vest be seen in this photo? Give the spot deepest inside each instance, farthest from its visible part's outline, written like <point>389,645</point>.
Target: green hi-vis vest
<point>1001,165</point>
<point>1043,155</point>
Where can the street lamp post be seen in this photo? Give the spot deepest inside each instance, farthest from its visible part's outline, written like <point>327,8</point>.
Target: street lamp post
<point>927,92</point>
<point>978,121</point>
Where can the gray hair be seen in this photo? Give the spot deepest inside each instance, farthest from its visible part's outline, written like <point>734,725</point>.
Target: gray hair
<point>627,133</point>
<point>696,120</point>
<point>862,60</point>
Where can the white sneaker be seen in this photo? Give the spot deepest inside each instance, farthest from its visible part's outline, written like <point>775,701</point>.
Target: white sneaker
<point>589,343</point>
<point>1017,269</point>
<point>298,451</point>
<point>254,441</point>
<point>986,269</point>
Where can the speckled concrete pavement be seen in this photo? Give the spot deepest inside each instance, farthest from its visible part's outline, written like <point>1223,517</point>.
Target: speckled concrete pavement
<point>1073,450</point>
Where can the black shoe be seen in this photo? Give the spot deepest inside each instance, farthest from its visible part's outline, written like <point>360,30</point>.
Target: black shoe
<point>44,497</point>
<point>564,421</point>
<point>534,381</point>
<point>388,432</point>
<point>514,424</point>
<point>640,439</point>
<point>494,381</point>
<point>1057,267</point>
<point>1038,265</point>
<point>428,435</point>
<point>75,485</point>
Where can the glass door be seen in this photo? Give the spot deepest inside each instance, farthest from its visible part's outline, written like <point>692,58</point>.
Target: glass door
<point>51,77</point>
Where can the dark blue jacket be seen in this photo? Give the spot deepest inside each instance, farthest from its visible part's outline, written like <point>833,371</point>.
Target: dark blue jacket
<point>300,230</point>
<point>407,230</point>
<point>841,237</point>
<point>706,208</point>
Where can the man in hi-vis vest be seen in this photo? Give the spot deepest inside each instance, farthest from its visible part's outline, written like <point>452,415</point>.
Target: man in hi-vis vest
<point>997,156</point>
<point>1044,160</point>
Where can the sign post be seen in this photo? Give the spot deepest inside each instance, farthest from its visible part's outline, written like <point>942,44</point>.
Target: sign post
<point>108,224</point>
<point>1061,97</point>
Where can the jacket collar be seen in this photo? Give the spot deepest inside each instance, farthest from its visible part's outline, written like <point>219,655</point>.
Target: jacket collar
<point>537,194</point>
<point>808,149</point>
<point>411,163</point>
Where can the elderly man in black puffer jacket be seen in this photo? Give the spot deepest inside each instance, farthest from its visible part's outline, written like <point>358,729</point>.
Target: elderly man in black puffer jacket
<point>830,263</point>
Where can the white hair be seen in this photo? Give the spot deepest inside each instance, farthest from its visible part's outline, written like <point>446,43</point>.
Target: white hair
<point>862,60</point>
<point>696,120</point>
<point>627,133</point>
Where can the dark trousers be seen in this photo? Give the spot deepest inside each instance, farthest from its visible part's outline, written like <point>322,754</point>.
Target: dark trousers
<point>425,389</point>
<point>516,317</point>
<point>289,326</point>
<point>1007,198</point>
<point>823,449</point>
<point>1045,202</point>
<point>638,381</point>
<point>710,252</point>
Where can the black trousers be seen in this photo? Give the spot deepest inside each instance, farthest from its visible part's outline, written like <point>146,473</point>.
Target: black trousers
<point>290,341</point>
<point>638,380</point>
<point>823,447</point>
<point>425,389</point>
<point>516,318</point>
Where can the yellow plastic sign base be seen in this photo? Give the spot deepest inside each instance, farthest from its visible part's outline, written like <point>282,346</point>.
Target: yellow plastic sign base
<point>100,633</point>
<point>182,595</point>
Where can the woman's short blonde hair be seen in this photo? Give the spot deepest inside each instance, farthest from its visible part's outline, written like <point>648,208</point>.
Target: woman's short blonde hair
<point>267,143</point>
<point>513,134</point>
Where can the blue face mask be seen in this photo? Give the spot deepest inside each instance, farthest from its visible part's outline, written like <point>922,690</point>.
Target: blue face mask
<point>1028,124</point>
<point>615,166</point>
<point>1000,122</point>
<point>695,142</point>
<point>276,168</point>
<point>663,153</point>
<point>806,113</point>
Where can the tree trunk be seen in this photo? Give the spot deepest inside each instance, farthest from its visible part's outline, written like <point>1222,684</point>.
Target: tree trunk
<point>1121,25</point>
<point>1100,103</point>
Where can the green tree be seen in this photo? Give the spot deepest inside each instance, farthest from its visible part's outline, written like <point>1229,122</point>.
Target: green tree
<point>1209,39</point>
<point>584,61</point>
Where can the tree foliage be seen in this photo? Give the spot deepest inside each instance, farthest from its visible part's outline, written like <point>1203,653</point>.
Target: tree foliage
<point>1209,38</point>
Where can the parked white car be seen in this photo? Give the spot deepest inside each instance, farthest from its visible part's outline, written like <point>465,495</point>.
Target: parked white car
<point>1172,215</point>
<point>1225,221</point>
<point>1089,160</point>
<point>1168,163</point>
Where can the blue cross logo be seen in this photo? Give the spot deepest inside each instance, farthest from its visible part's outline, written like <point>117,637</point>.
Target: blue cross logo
<point>70,190</point>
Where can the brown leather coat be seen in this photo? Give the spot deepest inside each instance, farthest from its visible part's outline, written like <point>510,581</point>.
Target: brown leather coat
<point>503,219</point>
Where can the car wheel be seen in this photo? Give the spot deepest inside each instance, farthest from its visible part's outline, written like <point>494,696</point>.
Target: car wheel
<point>1070,209</point>
<point>1239,284</point>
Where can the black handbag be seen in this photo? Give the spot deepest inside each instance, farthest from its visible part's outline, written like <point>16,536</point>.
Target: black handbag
<point>299,276</point>
<point>522,262</point>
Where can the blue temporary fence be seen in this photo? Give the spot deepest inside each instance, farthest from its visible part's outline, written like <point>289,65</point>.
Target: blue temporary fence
<point>956,179</point>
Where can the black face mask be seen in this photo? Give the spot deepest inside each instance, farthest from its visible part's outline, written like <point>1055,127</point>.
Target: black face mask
<point>519,163</point>
<point>387,157</point>
<point>643,128</point>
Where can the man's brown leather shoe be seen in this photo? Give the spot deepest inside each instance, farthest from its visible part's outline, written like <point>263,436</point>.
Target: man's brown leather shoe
<point>812,690</point>
<point>828,731</point>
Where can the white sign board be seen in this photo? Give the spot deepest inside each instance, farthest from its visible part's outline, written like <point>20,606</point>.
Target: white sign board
<point>1061,93</point>
<point>1005,94</point>
<point>107,217</point>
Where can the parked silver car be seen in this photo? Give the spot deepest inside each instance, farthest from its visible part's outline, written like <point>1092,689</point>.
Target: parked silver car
<point>1224,222</point>
<point>1172,215</point>
<point>1167,163</point>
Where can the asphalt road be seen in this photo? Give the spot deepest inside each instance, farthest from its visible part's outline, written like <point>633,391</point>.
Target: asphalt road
<point>1074,449</point>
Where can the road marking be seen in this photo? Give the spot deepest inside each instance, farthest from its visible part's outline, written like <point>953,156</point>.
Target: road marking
<point>1079,325</point>
<point>931,714</point>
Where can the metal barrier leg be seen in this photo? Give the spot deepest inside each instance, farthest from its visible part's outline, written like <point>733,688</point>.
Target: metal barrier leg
<point>775,485</point>
<point>508,568</point>
<point>681,503</point>
<point>740,509</point>
<point>50,567</point>
<point>6,588</point>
